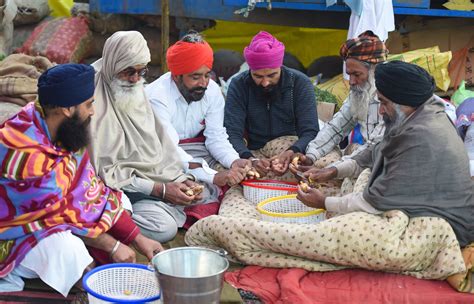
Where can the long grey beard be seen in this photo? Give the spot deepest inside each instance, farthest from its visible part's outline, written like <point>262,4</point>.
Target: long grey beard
<point>398,120</point>
<point>127,97</point>
<point>360,97</point>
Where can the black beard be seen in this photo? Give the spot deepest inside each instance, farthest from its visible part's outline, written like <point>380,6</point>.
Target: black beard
<point>73,134</point>
<point>268,89</point>
<point>191,94</point>
<point>268,93</point>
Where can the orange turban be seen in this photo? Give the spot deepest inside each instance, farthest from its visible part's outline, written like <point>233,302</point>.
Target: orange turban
<point>186,57</point>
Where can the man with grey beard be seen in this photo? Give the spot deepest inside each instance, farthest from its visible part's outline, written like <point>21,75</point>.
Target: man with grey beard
<point>419,167</point>
<point>361,55</point>
<point>130,148</point>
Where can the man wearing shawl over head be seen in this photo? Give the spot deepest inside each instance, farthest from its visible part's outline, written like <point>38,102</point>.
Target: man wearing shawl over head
<point>130,148</point>
<point>267,104</point>
<point>420,166</point>
<point>190,106</point>
<point>51,200</point>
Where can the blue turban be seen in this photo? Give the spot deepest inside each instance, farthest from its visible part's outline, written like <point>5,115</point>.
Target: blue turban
<point>66,85</point>
<point>404,83</point>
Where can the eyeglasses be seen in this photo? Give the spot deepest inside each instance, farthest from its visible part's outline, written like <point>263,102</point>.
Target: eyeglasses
<point>129,72</point>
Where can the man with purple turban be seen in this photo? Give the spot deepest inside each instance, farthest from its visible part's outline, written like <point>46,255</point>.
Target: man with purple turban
<point>270,111</point>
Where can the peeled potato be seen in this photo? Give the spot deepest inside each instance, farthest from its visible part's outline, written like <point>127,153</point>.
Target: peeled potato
<point>194,191</point>
<point>252,173</point>
<point>295,161</point>
<point>304,186</point>
<point>198,189</point>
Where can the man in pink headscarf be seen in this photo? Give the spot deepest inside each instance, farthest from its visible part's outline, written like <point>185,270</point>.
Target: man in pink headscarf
<point>267,103</point>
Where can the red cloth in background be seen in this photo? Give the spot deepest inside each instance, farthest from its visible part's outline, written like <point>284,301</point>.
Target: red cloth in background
<point>124,230</point>
<point>61,40</point>
<point>294,285</point>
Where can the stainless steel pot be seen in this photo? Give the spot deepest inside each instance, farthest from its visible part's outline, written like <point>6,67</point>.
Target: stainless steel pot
<point>190,274</point>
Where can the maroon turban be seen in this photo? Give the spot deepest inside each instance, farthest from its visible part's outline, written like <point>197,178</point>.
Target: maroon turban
<point>367,47</point>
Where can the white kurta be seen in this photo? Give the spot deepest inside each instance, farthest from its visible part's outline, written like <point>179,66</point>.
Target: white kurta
<point>59,260</point>
<point>183,121</point>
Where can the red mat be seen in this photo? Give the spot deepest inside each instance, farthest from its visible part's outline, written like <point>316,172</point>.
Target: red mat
<point>299,286</point>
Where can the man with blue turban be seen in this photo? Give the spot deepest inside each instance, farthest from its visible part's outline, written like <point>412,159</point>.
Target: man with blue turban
<point>52,204</point>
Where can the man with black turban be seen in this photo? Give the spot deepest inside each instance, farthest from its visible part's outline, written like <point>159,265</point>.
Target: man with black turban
<point>420,166</point>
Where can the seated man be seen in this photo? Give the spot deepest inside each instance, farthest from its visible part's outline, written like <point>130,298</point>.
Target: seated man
<point>52,202</point>
<point>361,56</point>
<point>130,148</point>
<point>268,102</point>
<point>420,166</point>
<point>190,107</point>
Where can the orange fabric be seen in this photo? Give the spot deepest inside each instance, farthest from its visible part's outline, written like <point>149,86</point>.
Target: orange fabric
<point>185,57</point>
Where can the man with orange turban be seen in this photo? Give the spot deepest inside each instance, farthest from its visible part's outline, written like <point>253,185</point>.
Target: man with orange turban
<point>270,111</point>
<point>191,107</point>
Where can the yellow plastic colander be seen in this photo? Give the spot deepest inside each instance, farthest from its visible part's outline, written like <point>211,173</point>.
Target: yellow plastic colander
<point>288,209</point>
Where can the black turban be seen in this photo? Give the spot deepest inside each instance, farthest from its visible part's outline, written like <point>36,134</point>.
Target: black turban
<point>66,85</point>
<point>404,83</point>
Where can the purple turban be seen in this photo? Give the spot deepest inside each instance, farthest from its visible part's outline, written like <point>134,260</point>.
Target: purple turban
<point>264,52</point>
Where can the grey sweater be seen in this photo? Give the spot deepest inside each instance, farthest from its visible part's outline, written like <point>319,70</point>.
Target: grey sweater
<point>290,110</point>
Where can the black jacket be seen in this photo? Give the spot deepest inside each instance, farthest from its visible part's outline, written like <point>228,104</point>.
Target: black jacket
<point>291,110</point>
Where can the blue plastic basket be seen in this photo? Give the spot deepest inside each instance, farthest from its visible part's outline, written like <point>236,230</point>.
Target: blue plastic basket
<point>122,283</point>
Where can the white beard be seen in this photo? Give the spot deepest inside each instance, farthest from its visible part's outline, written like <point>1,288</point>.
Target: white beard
<point>127,96</point>
<point>361,96</point>
<point>396,121</point>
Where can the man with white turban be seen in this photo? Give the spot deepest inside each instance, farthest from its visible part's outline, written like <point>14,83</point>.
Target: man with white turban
<point>130,148</point>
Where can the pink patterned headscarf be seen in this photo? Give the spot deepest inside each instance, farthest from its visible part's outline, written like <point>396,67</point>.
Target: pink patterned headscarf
<point>264,52</point>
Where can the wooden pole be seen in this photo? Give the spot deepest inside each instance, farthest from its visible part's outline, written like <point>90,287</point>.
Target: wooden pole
<point>165,33</point>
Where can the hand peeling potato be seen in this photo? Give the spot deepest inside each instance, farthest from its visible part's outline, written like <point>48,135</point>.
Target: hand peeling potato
<point>252,173</point>
<point>304,186</point>
<point>194,191</point>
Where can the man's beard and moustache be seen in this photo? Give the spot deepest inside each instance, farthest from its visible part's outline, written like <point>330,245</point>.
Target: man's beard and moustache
<point>190,95</point>
<point>73,134</point>
<point>396,121</point>
<point>127,96</point>
<point>269,90</point>
<point>361,96</point>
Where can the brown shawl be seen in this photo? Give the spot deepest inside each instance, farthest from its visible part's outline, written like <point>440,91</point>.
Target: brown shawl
<point>422,169</point>
<point>128,145</point>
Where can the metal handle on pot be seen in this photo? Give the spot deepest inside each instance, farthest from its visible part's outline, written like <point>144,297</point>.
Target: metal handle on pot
<point>151,267</point>
<point>222,252</point>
